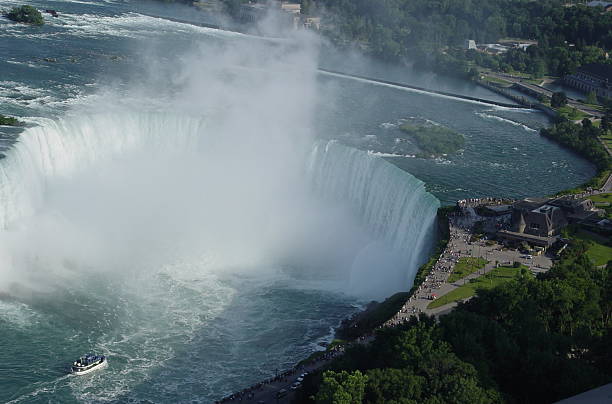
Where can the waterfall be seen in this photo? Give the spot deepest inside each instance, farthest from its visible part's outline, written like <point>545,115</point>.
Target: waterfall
<point>58,148</point>
<point>391,205</point>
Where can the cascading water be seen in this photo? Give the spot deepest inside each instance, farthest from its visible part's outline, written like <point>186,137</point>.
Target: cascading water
<point>218,234</point>
<point>59,148</point>
<point>393,204</point>
<point>396,212</point>
<point>154,238</point>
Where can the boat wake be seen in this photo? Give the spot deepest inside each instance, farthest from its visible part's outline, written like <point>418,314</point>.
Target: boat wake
<point>39,389</point>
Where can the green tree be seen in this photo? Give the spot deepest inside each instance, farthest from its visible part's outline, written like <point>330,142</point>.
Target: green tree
<point>591,98</point>
<point>606,122</point>
<point>342,387</point>
<point>538,68</point>
<point>558,100</point>
<point>25,14</point>
<point>394,385</point>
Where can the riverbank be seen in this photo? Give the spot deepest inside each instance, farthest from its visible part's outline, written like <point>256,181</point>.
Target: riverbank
<point>431,280</point>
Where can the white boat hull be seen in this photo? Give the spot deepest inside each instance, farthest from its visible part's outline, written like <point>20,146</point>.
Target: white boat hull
<point>93,369</point>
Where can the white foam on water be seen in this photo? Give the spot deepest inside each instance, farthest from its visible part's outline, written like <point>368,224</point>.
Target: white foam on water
<point>429,121</point>
<point>382,154</point>
<point>28,64</point>
<point>388,125</point>
<point>498,118</point>
<point>40,389</point>
<point>179,301</point>
<point>18,314</point>
<point>440,160</point>
<point>130,25</point>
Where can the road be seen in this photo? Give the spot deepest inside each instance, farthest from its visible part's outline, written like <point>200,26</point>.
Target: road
<point>607,187</point>
<point>548,93</point>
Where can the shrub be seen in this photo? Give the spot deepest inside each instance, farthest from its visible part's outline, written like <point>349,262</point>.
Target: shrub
<point>25,14</point>
<point>558,99</point>
<point>9,121</point>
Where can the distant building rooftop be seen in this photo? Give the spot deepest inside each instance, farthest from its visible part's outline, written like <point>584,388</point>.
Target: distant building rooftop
<point>530,203</point>
<point>600,395</point>
<point>530,238</point>
<point>604,4</point>
<point>498,210</point>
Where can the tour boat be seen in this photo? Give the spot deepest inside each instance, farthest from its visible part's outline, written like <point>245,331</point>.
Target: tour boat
<point>88,363</point>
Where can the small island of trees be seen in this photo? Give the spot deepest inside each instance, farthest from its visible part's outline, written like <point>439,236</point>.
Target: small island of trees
<point>434,140</point>
<point>9,121</point>
<point>26,15</point>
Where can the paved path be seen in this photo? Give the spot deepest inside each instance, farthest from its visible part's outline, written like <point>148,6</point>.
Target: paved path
<point>460,246</point>
<point>436,282</point>
<point>266,392</point>
<point>607,187</point>
<point>548,93</point>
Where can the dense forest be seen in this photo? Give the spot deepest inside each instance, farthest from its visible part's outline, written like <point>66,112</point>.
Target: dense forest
<point>581,138</point>
<point>432,32</point>
<point>531,340</point>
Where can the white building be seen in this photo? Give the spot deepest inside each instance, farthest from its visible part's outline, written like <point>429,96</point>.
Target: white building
<point>594,77</point>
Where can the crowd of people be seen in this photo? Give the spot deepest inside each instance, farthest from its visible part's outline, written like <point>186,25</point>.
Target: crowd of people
<point>473,202</point>
<point>249,392</point>
<point>583,194</point>
<point>460,227</point>
<point>284,377</point>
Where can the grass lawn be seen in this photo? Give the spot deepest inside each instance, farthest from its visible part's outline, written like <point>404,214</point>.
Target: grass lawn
<point>492,79</point>
<point>466,266</point>
<point>571,113</point>
<point>607,139</point>
<point>601,198</point>
<point>594,106</point>
<point>599,253</point>
<point>496,277</point>
<point>604,198</point>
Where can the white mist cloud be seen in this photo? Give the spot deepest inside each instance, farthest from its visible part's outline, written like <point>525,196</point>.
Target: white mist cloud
<point>204,159</point>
